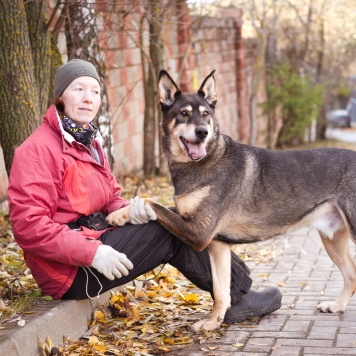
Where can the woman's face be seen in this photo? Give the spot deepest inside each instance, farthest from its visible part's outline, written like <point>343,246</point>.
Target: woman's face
<point>82,100</point>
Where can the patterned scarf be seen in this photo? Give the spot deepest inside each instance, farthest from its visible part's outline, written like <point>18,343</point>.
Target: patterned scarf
<point>81,134</point>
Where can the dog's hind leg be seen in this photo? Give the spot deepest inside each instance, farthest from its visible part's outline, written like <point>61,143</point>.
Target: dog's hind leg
<point>220,260</point>
<point>338,249</point>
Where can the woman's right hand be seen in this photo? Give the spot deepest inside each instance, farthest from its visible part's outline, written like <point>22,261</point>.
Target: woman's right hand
<point>111,263</point>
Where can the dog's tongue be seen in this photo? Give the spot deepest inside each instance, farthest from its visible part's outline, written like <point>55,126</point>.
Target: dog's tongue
<point>196,150</point>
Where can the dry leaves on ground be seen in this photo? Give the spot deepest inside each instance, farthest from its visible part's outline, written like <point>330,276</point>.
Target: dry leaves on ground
<point>151,318</point>
<point>18,289</point>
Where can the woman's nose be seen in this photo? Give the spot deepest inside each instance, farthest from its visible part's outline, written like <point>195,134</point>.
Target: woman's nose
<point>88,96</point>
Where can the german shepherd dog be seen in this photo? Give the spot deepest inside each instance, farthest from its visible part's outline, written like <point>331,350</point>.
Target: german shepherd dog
<point>230,193</point>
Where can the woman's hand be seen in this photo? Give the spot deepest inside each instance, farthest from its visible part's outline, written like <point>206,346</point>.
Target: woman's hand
<point>111,263</point>
<point>140,213</point>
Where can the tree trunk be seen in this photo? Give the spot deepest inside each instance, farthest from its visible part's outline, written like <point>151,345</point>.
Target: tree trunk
<point>19,103</point>
<point>321,122</point>
<point>151,115</point>
<point>82,42</point>
<point>40,40</point>
<point>270,62</point>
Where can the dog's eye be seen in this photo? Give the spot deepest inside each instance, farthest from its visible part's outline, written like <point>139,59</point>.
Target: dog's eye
<point>184,113</point>
<point>205,113</point>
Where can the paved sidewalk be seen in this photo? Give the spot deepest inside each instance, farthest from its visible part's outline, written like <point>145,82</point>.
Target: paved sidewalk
<point>306,276</point>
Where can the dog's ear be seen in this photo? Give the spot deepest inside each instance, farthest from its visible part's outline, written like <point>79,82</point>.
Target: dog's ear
<point>168,90</point>
<point>208,89</point>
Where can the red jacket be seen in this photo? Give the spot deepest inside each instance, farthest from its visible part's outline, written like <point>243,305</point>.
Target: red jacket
<point>54,180</point>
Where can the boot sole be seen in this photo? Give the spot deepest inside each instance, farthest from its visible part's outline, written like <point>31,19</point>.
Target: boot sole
<point>231,319</point>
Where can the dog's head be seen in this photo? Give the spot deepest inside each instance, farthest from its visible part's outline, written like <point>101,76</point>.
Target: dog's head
<point>188,123</point>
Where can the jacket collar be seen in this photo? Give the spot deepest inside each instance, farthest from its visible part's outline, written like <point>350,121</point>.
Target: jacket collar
<point>53,119</point>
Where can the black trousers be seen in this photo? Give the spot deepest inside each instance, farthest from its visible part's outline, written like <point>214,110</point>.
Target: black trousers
<point>148,246</point>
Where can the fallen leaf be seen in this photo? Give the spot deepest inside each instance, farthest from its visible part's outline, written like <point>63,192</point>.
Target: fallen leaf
<point>191,298</point>
<point>211,348</point>
<point>238,345</point>
<point>93,340</point>
<point>276,346</point>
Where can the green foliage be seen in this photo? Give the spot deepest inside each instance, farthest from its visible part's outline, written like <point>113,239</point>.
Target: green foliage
<point>298,100</point>
<point>342,90</point>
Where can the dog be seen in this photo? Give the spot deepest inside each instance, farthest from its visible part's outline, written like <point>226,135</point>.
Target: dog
<point>231,193</point>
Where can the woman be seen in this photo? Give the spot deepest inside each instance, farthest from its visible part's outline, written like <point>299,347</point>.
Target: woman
<point>61,188</point>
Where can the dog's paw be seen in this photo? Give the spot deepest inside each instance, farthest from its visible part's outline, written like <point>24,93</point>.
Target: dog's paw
<point>331,307</point>
<point>119,217</point>
<point>206,324</point>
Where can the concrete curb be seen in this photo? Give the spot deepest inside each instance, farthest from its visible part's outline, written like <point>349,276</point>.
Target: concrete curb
<point>54,319</point>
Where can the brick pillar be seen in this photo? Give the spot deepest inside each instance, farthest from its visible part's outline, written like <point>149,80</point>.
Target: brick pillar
<point>243,107</point>
<point>183,25</point>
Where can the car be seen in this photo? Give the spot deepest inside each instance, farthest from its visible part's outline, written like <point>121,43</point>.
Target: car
<point>338,118</point>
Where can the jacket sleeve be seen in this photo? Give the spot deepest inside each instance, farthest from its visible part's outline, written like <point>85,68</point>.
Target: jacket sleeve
<point>33,200</point>
<point>116,202</point>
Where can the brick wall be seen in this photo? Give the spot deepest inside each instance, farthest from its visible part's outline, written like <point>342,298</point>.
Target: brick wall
<point>199,45</point>
<point>209,43</point>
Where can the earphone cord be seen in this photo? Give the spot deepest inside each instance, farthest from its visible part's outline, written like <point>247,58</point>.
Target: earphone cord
<point>86,284</point>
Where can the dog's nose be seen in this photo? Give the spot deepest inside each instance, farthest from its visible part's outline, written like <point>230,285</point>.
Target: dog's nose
<point>201,132</point>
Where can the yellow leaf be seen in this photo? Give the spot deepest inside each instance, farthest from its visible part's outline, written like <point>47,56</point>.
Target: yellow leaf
<point>191,298</point>
<point>136,313</point>
<point>100,348</point>
<point>130,322</point>
<point>164,348</point>
<point>116,298</point>
<point>99,315</point>
<point>151,294</point>
<point>168,341</point>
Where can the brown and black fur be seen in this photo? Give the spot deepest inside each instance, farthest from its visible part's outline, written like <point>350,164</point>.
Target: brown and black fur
<point>228,193</point>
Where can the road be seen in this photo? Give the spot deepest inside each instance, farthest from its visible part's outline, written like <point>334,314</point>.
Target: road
<point>345,135</point>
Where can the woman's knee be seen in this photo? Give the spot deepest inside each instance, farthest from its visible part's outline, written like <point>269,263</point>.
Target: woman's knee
<point>136,237</point>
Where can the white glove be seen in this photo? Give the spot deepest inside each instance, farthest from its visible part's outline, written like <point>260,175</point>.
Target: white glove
<point>140,213</point>
<point>111,263</point>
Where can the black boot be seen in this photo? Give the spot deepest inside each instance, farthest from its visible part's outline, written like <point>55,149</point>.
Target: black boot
<point>254,304</point>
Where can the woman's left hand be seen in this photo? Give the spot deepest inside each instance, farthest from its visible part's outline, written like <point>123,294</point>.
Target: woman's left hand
<point>140,213</point>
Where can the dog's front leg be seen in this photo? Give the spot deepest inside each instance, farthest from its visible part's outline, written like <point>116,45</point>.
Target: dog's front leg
<point>220,259</point>
<point>197,230</point>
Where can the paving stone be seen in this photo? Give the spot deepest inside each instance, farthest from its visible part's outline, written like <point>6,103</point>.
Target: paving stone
<point>318,333</point>
<point>346,340</point>
<point>259,344</point>
<point>286,351</point>
<point>305,342</point>
<point>335,351</point>
<point>280,334</point>
<point>302,325</point>
<point>348,330</point>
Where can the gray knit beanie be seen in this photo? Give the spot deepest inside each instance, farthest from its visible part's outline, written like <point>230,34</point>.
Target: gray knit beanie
<point>66,73</point>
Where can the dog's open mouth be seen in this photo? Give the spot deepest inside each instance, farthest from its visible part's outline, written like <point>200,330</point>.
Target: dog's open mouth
<point>195,150</point>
